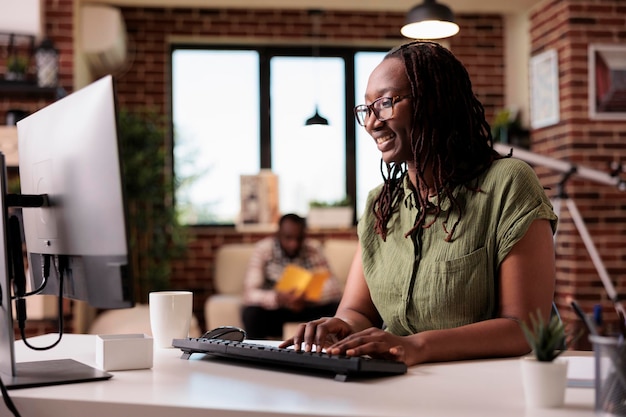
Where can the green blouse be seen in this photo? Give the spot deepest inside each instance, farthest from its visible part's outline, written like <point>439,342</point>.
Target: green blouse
<point>422,282</point>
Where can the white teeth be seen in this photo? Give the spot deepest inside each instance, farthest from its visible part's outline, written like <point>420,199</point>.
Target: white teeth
<point>384,139</point>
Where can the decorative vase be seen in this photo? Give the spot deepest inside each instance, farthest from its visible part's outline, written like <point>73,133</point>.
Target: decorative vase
<point>544,383</point>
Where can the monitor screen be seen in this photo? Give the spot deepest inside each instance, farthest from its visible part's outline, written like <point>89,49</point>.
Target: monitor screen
<point>69,151</point>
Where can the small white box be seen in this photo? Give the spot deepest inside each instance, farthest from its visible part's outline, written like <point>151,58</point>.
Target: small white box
<point>118,352</point>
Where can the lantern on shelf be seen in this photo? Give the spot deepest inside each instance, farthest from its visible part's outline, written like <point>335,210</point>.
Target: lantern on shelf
<point>47,62</point>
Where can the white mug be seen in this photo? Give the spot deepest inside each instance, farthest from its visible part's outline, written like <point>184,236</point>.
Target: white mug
<point>170,316</point>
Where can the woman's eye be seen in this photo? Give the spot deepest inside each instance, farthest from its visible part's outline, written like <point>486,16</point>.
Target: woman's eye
<point>385,103</point>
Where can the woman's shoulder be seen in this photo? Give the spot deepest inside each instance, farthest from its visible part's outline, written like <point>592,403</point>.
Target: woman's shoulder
<point>510,170</point>
<point>511,165</point>
<point>513,177</point>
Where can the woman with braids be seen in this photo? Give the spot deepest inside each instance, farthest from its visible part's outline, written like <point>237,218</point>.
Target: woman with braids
<point>456,244</point>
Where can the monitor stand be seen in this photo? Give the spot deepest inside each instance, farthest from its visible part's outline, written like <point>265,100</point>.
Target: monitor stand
<point>51,372</point>
<point>27,374</point>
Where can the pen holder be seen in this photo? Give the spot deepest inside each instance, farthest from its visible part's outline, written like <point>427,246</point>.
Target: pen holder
<point>610,375</point>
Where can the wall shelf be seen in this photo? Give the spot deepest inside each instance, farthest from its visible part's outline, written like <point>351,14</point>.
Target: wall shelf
<point>27,89</point>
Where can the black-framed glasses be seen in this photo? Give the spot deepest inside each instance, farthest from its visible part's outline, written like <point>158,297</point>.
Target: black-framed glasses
<point>382,108</point>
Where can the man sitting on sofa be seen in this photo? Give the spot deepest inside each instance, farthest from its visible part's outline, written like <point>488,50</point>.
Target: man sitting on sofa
<point>267,310</point>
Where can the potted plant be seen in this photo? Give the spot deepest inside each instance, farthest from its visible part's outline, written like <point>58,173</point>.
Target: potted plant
<point>506,127</point>
<point>334,214</point>
<point>155,235</point>
<point>544,374</point>
<point>17,65</point>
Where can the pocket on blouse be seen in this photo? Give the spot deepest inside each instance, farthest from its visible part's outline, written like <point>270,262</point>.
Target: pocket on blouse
<point>454,292</point>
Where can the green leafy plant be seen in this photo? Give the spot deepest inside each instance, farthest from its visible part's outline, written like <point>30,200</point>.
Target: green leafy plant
<point>548,339</point>
<point>346,202</point>
<point>156,237</point>
<point>17,64</point>
<point>17,67</point>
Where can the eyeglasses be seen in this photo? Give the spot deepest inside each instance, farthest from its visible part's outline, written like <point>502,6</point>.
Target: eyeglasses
<point>382,108</point>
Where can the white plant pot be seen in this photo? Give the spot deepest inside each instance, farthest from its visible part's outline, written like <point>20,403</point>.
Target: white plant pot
<point>544,382</point>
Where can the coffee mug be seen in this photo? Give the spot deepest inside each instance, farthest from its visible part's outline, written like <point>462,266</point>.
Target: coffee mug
<point>170,316</point>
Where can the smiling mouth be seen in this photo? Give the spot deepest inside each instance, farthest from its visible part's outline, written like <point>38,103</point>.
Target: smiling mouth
<point>384,139</point>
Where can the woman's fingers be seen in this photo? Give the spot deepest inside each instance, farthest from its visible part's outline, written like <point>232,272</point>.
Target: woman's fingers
<point>372,342</point>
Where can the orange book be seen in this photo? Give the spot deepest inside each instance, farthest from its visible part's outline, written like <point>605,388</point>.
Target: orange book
<point>303,281</point>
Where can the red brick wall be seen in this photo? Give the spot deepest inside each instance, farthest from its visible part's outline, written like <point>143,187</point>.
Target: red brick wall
<point>569,26</point>
<point>479,46</point>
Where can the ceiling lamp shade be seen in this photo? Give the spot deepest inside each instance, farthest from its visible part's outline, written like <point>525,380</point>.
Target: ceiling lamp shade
<point>316,15</point>
<point>316,119</point>
<point>430,20</point>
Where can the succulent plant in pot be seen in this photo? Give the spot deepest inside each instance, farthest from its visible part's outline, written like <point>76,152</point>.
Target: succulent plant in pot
<point>544,377</point>
<point>546,338</point>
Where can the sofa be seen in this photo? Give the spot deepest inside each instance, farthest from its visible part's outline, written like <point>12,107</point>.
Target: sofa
<point>231,261</point>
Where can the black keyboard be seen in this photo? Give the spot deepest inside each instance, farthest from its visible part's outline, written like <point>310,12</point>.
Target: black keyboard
<point>343,367</point>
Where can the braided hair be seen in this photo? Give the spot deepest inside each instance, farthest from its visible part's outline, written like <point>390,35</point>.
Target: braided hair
<point>450,135</point>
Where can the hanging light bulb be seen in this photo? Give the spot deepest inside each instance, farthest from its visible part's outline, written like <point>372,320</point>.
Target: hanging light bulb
<point>430,20</point>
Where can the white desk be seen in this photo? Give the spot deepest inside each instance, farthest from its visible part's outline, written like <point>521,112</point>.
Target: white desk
<point>207,387</point>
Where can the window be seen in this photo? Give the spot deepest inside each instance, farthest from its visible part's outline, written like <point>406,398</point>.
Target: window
<point>237,111</point>
<point>215,112</point>
<point>310,161</point>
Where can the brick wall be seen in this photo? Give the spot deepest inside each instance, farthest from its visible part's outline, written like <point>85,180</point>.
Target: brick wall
<point>146,83</point>
<point>569,27</point>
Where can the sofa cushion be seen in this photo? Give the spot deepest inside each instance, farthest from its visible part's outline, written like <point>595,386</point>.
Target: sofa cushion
<point>223,310</point>
<point>339,253</point>
<point>231,263</point>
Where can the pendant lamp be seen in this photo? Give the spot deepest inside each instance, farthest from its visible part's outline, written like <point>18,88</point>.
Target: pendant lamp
<point>430,20</point>
<point>315,14</point>
<point>316,119</point>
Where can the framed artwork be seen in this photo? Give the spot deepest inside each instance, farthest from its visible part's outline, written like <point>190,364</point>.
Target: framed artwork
<point>607,82</point>
<point>544,89</point>
<point>259,202</point>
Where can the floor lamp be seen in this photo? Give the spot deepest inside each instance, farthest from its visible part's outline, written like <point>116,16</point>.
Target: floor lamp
<point>569,169</point>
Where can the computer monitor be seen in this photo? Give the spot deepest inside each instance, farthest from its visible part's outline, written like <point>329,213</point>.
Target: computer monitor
<point>69,151</point>
<point>69,156</point>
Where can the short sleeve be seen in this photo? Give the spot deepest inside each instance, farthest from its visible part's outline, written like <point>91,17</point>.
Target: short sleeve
<point>522,201</point>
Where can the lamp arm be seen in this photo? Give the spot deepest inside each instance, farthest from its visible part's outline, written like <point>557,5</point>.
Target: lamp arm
<point>562,166</point>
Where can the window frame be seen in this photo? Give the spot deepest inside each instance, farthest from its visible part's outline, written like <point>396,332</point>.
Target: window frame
<point>266,52</point>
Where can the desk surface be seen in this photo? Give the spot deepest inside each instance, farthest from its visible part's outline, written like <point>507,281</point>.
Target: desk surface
<point>203,386</point>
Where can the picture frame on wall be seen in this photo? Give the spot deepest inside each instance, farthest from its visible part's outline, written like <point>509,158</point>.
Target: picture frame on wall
<point>607,82</point>
<point>544,89</point>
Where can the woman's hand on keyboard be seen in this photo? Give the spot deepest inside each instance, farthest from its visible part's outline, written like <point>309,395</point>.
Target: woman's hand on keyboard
<point>318,334</point>
<point>373,342</point>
